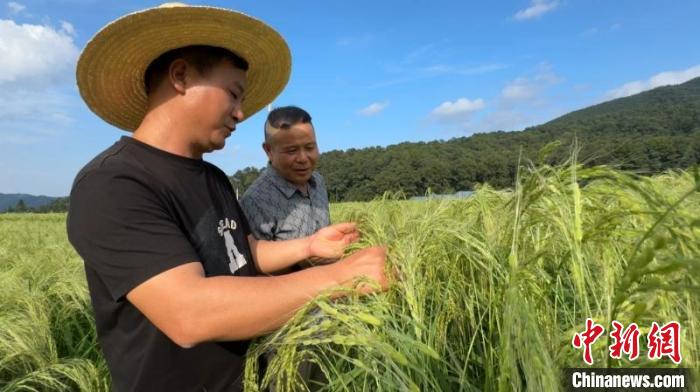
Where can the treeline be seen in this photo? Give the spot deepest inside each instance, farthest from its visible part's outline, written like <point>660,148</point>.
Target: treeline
<point>648,133</point>
<point>58,205</point>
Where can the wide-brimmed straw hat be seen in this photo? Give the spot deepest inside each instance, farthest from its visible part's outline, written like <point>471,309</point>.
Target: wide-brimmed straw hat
<point>111,69</point>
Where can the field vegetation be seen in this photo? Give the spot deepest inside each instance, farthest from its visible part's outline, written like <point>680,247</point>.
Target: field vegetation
<point>489,292</point>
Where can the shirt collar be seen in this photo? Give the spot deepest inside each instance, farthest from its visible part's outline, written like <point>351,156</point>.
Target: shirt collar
<point>287,188</point>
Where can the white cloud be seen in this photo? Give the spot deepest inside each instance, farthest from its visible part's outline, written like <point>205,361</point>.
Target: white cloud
<point>374,108</point>
<point>536,8</point>
<point>505,120</point>
<point>36,96</point>
<point>458,110</point>
<point>67,28</point>
<point>15,8</point>
<point>667,78</point>
<point>519,90</point>
<point>528,88</point>
<point>522,102</point>
<point>36,56</point>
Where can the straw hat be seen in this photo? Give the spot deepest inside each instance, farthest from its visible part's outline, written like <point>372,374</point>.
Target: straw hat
<point>111,69</point>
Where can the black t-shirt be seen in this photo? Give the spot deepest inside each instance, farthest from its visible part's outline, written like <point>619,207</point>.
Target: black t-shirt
<point>136,211</point>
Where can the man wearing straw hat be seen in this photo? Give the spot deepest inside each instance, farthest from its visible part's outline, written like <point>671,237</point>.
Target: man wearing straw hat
<point>170,262</point>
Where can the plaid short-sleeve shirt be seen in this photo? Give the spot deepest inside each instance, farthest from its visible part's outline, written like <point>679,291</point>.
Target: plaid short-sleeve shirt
<point>277,210</point>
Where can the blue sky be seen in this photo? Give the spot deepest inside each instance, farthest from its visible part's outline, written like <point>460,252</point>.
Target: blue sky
<point>370,73</point>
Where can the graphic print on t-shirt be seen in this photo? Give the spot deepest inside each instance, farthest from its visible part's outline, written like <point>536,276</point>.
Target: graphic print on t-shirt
<point>236,259</point>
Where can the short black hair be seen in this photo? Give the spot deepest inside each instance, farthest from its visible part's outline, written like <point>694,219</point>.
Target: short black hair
<point>202,57</point>
<point>287,116</point>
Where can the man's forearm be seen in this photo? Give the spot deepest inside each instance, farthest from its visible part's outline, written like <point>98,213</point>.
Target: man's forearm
<point>272,256</point>
<point>237,308</point>
<point>191,308</point>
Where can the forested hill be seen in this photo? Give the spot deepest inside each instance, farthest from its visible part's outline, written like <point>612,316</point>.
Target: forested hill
<point>11,200</point>
<point>20,202</point>
<point>647,132</point>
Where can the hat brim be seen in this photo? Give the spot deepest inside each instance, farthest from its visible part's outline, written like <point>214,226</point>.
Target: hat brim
<point>111,68</point>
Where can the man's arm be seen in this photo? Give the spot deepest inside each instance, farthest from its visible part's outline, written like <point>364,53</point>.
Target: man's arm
<point>327,243</point>
<point>191,308</point>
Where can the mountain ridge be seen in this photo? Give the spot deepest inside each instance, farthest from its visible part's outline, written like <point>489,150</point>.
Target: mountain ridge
<point>647,132</point>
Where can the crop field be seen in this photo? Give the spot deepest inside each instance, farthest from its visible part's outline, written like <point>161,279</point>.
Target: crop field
<point>489,290</point>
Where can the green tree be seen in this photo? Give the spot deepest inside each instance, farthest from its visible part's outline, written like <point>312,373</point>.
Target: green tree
<point>649,132</point>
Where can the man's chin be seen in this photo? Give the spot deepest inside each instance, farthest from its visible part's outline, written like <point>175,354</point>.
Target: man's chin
<point>302,179</point>
<point>220,142</point>
<point>295,178</point>
<point>213,146</point>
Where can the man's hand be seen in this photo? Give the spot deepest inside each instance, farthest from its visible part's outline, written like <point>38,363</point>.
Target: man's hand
<point>367,263</point>
<point>330,242</point>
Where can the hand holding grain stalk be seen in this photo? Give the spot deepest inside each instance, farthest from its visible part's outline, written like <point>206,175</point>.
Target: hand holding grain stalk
<point>331,241</point>
<point>367,262</point>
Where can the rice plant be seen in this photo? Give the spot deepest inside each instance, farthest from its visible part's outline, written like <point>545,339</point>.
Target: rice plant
<point>47,333</point>
<point>492,289</point>
<point>488,293</point>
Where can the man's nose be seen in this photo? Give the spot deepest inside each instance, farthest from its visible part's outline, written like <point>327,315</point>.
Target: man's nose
<point>237,114</point>
<point>303,156</point>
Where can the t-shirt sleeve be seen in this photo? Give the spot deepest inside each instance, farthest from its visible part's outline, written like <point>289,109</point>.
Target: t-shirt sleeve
<point>124,232</point>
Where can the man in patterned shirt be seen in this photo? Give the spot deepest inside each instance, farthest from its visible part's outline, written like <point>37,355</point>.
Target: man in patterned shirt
<point>289,199</point>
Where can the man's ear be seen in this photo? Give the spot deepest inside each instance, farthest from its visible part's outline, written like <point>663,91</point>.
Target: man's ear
<point>178,75</point>
<point>268,150</point>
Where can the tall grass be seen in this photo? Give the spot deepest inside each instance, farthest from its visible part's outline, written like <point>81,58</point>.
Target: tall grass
<point>490,290</point>
<point>47,332</point>
<point>493,288</point>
